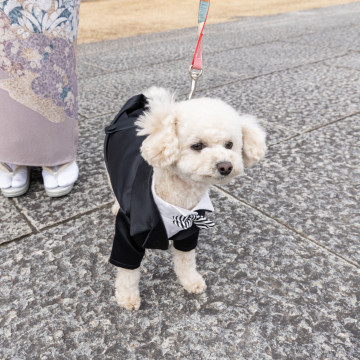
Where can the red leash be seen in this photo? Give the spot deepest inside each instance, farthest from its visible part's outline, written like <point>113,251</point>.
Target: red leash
<point>196,66</point>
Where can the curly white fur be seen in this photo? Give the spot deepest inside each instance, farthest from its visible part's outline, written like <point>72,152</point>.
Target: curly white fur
<point>182,175</point>
<point>127,288</point>
<point>185,269</point>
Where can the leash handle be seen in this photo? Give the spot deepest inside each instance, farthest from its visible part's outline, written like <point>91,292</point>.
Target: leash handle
<point>196,65</point>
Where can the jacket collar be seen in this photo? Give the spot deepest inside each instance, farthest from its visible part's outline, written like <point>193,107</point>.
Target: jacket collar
<point>147,226</point>
<point>167,211</point>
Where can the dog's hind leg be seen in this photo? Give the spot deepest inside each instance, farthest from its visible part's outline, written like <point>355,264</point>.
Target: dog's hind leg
<point>127,292</point>
<point>115,207</point>
<point>185,269</point>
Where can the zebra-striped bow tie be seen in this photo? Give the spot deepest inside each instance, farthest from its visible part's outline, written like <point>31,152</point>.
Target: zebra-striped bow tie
<point>185,222</point>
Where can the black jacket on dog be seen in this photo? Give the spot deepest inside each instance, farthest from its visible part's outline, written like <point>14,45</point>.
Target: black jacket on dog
<point>138,222</point>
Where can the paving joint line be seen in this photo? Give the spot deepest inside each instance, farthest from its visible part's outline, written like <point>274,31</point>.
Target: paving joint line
<point>212,53</point>
<point>136,37</point>
<point>19,238</point>
<point>249,26</point>
<point>78,216</point>
<point>299,233</point>
<point>33,228</point>
<point>269,73</point>
<point>135,67</point>
<point>342,67</point>
<point>292,39</point>
<point>329,123</point>
<point>93,65</point>
<point>245,78</point>
<point>312,129</point>
<point>157,41</point>
<point>84,116</point>
<point>285,69</point>
<point>96,116</point>
<point>284,41</point>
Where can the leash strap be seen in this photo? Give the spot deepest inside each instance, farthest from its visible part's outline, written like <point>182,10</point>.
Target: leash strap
<point>203,13</point>
<point>196,65</point>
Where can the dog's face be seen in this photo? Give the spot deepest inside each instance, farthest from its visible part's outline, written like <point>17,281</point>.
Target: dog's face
<point>209,141</point>
<point>204,140</point>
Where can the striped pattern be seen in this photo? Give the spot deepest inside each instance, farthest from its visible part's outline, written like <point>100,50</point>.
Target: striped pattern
<point>185,222</point>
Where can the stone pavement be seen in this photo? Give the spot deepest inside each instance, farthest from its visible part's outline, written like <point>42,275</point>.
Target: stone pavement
<point>282,265</point>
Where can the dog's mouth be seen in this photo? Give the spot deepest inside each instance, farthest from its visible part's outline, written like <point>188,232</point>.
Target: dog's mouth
<point>223,179</point>
<point>217,178</point>
<point>210,176</point>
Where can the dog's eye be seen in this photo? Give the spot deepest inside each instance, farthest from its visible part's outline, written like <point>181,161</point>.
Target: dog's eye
<point>198,147</point>
<point>229,145</point>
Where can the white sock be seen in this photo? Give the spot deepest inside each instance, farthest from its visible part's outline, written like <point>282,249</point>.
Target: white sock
<point>16,179</point>
<point>63,175</point>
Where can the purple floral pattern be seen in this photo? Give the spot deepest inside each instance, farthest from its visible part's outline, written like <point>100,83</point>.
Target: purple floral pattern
<point>41,65</point>
<point>57,18</point>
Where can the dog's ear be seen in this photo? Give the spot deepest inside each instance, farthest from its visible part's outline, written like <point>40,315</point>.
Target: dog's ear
<point>161,146</point>
<point>253,137</point>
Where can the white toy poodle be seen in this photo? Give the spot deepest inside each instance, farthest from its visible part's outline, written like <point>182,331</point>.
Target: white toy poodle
<point>161,157</point>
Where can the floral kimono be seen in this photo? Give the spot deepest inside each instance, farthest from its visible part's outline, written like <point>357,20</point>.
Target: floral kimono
<point>38,85</point>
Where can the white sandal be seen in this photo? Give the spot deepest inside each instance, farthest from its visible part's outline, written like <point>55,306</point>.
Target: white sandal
<point>14,179</point>
<point>59,180</point>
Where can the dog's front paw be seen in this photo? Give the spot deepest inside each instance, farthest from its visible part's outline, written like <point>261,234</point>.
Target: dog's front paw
<point>193,283</point>
<point>127,292</point>
<point>128,300</point>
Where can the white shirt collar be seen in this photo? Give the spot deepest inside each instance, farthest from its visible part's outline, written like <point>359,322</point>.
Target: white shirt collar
<point>168,211</point>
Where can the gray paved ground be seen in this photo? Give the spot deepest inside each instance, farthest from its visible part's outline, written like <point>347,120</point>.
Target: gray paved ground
<point>282,266</point>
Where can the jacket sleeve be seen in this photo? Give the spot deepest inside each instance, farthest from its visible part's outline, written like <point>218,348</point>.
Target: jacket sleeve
<point>125,252</point>
<point>187,240</point>
<point>187,244</point>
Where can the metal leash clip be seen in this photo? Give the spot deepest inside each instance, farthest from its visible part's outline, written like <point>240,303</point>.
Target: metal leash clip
<point>194,74</point>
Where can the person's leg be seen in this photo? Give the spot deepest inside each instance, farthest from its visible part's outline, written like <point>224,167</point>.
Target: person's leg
<point>38,87</point>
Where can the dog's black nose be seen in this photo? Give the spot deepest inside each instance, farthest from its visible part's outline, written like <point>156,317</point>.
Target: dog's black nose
<point>224,168</point>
